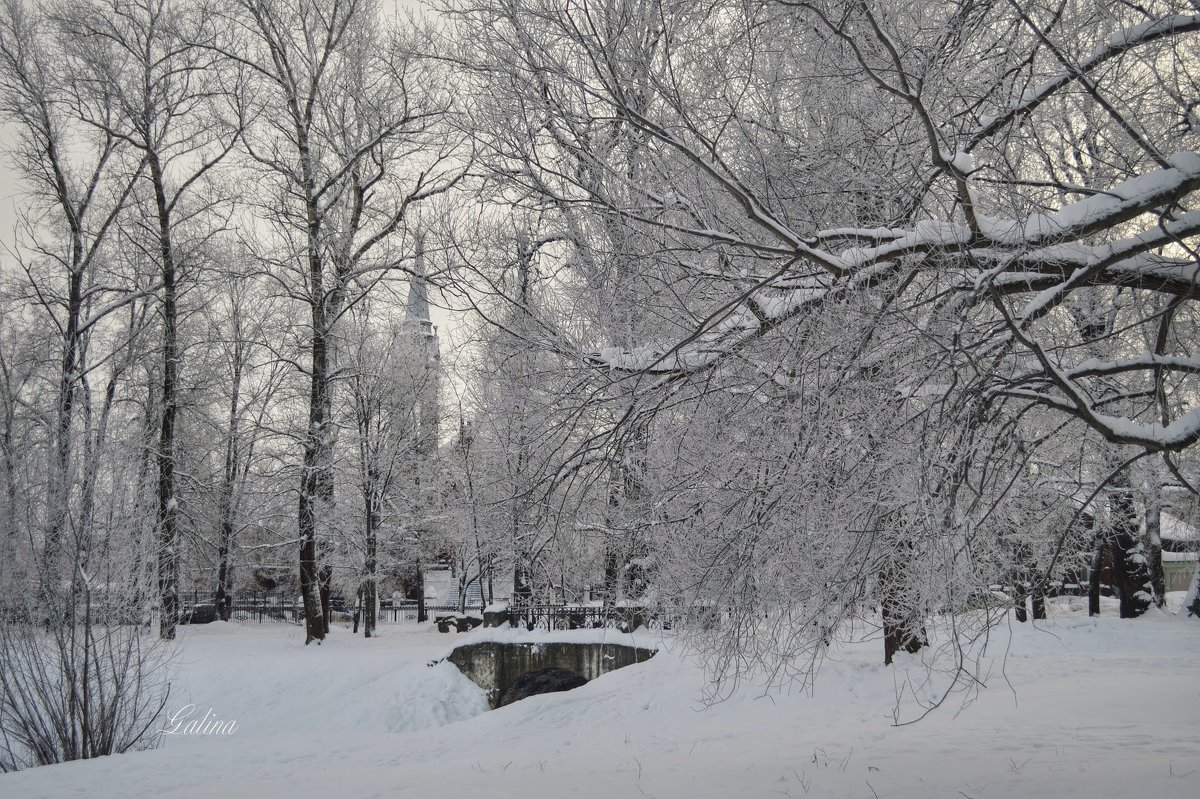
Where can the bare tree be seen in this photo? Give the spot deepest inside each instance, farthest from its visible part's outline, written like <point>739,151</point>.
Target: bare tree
<point>147,64</point>
<point>349,139</point>
<point>390,377</point>
<point>906,203</point>
<point>78,173</point>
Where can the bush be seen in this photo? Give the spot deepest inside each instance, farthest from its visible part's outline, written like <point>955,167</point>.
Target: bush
<point>77,689</point>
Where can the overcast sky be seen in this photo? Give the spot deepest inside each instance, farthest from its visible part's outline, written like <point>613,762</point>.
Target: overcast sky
<point>8,191</point>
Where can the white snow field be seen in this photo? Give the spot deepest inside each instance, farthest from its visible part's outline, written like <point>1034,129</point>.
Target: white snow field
<point>1072,707</point>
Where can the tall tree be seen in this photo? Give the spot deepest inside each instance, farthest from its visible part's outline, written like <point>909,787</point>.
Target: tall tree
<point>349,138</point>
<point>80,176</point>
<point>147,61</point>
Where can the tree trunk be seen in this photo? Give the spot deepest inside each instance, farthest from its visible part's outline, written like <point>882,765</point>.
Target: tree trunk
<point>59,494</point>
<point>371,613</point>
<point>1094,575</point>
<point>1020,578</point>
<point>1038,600</point>
<point>358,599</point>
<point>224,575</point>
<point>368,588</point>
<point>168,504</point>
<point>326,586</point>
<point>1158,576</point>
<point>310,482</point>
<point>422,616</point>
<point>522,594</point>
<point>228,487</point>
<point>1130,572</point>
<point>612,568</point>
<point>901,626</point>
<point>1020,598</point>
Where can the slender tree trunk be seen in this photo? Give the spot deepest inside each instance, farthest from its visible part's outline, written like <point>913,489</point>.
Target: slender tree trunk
<point>1093,574</point>
<point>612,556</point>
<point>1021,575</point>
<point>1154,556</point>
<point>228,487</point>
<point>358,603</point>
<point>1039,602</point>
<point>1100,545</point>
<point>310,481</point>
<point>422,616</point>
<point>369,588</point>
<point>522,593</point>
<point>633,470</point>
<point>313,623</point>
<point>59,494</point>
<point>142,537</point>
<point>1020,598</point>
<point>168,504</point>
<point>326,588</point>
<point>317,440</point>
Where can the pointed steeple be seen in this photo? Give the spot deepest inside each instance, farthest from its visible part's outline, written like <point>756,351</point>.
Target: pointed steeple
<point>419,325</point>
<point>416,313</point>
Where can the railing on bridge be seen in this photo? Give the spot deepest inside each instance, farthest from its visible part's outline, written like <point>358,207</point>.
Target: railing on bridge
<point>579,617</point>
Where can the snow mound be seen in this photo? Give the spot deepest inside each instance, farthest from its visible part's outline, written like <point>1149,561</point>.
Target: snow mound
<point>1073,707</point>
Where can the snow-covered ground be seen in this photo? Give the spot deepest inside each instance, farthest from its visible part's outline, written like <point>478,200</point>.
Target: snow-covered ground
<point>1073,707</point>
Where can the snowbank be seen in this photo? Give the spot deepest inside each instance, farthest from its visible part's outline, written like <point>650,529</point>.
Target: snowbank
<point>1077,707</point>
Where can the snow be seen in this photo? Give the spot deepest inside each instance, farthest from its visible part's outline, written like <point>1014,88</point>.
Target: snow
<point>962,162</point>
<point>1175,435</point>
<point>1148,30</point>
<point>1014,244</point>
<point>1073,707</point>
<point>1177,529</point>
<point>1074,218</point>
<point>874,233</point>
<point>639,638</point>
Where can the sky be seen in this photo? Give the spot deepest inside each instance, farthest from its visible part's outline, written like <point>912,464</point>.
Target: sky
<point>11,192</point>
<point>8,192</point>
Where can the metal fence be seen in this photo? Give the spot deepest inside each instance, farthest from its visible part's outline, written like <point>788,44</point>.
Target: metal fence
<point>407,611</point>
<point>276,606</point>
<point>253,606</point>
<point>578,617</point>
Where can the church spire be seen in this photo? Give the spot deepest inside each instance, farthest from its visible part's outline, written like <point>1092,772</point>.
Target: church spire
<point>416,313</point>
<point>419,325</point>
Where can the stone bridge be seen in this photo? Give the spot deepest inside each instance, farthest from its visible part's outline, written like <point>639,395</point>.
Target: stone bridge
<point>494,665</point>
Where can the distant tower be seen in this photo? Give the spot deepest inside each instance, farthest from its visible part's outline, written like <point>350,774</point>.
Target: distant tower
<point>424,337</point>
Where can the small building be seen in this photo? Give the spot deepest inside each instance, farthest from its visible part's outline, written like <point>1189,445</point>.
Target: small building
<point>1181,552</point>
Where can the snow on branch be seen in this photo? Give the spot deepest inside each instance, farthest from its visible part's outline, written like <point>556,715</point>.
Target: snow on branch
<point>1041,253</point>
<point>1120,42</point>
<point>1098,368</point>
